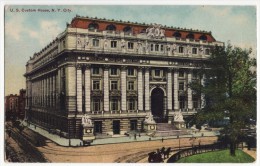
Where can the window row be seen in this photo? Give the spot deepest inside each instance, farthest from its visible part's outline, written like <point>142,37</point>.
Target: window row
<point>153,47</point>
<point>114,85</point>
<point>129,29</point>
<point>114,104</point>
<point>113,71</point>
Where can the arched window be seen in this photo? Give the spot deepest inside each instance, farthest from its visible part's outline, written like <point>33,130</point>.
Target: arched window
<point>190,36</point>
<point>203,37</point>
<point>111,27</point>
<point>93,26</point>
<point>177,34</point>
<point>127,29</point>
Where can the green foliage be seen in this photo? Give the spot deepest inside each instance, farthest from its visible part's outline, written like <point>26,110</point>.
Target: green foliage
<point>218,157</point>
<point>229,89</point>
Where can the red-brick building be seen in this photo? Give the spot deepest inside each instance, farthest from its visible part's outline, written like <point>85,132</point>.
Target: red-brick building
<point>15,105</point>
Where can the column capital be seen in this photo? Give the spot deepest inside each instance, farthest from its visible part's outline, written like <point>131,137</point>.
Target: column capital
<point>140,68</point>
<point>176,69</point>
<point>79,66</point>
<point>123,67</point>
<point>87,66</point>
<point>106,67</point>
<point>170,69</point>
<point>147,68</point>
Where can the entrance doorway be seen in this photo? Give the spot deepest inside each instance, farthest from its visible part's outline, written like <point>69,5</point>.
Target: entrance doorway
<point>116,126</point>
<point>157,97</point>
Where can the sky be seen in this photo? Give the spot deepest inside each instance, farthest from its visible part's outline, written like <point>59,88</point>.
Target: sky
<point>29,32</point>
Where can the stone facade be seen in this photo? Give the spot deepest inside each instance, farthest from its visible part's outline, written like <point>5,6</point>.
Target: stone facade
<point>116,73</point>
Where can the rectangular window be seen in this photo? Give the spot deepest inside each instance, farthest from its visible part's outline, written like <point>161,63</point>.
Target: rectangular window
<point>96,105</point>
<point>130,45</point>
<point>113,44</point>
<point>113,71</point>
<point>181,73</point>
<point>131,85</point>
<point>98,127</point>
<point>195,74</point>
<point>157,47</point>
<point>151,47</point>
<point>181,86</point>
<point>96,85</point>
<point>182,102</point>
<point>157,73</point>
<point>131,104</point>
<point>130,72</point>
<point>194,50</point>
<point>195,104</point>
<point>180,49</point>
<point>162,48</point>
<point>114,105</point>
<point>95,71</point>
<point>133,125</point>
<point>95,42</point>
<point>114,85</point>
<point>207,51</point>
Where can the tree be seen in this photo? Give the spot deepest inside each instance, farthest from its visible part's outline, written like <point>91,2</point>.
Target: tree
<point>229,91</point>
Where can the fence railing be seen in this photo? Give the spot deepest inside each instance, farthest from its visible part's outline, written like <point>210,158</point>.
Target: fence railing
<point>196,150</point>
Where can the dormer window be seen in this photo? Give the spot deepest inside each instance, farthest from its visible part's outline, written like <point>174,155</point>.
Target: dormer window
<point>111,27</point>
<point>177,34</point>
<point>127,29</point>
<point>93,26</point>
<point>203,37</point>
<point>190,36</point>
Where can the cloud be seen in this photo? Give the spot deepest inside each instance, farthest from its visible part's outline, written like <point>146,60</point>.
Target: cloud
<point>48,31</point>
<point>43,32</point>
<point>14,27</point>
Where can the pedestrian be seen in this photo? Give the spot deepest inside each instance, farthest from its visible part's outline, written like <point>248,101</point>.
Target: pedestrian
<point>139,135</point>
<point>135,136</point>
<point>162,139</point>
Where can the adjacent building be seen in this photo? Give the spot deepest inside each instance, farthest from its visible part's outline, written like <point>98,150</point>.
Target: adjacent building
<point>115,72</point>
<point>15,105</point>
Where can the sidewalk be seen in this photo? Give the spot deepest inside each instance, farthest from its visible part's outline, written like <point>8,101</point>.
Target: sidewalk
<point>123,139</point>
<point>252,153</point>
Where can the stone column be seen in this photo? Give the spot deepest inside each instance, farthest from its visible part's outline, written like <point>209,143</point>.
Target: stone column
<point>169,90</point>
<point>58,88</point>
<point>71,88</point>
<point>147,89</point>
<point>79,88</point>
<point>48,91</point>
<point>41,91</point>
<point>123,88</point>
<point>140,89</point>
<point>175,88</point>
<point>45,92</point>
<point>202,94</point>
<point>87,89</point>
<point>53,91</point>
<point>106,89</point>
<point>190,103</point>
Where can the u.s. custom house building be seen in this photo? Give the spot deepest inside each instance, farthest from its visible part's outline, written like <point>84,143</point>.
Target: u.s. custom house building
<point>104,77</point>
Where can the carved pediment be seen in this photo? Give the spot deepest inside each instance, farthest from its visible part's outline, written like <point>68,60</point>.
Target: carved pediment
<point>155,31</point>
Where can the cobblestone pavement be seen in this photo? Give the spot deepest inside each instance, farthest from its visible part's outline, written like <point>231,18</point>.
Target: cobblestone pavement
<point>110,153</point>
